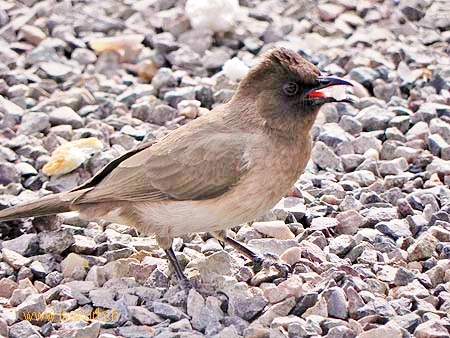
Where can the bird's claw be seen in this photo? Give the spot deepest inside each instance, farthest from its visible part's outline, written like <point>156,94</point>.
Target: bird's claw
<point>269,260</point>
<point>185,285</point>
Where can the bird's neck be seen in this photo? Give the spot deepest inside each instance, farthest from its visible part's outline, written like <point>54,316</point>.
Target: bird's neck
<point>242,114</point>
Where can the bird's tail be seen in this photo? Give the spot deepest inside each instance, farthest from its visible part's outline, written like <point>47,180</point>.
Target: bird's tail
<point>48,205</point>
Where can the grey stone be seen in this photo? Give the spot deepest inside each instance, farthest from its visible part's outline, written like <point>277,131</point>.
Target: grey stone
<point>26,245</point>
<point>33,304</point>
<point>55,241</point>
<point>438,126</point>
<point>385,91</point>
<point>83,244</point>
<point>349,222</point>
<point>365,142</point>
<point>350,203</point>
<point>437,144</point>
<point>351,125</point>
<point>341,245</point>
<point>9,173</point>
<point>168,311</point>
<point>185,58</point>
<point>351,161</point>
<point>401,123</point>
<point>272,245</point>
<point>7,154</point>
<point>55,70</point>
<point>40,269</point>
<point>53,278</point>
<point>14,259</point>
<point>64,182</point>
<point>144,316</point>
<point>245,305</point>
<point>130,95</point>
<point>103,298</point>
<point>333,135</point>
<point>215,58</point>
<point>23,329</point>
<point>308,329</point>
<point>376,215</point>
<point>293,205</point>
<point>393,181</point>
<point>34,123</point>
<point>433,328</point>
<point>161,113</point>
<point>369,197</point>
<point>355,302</point>
<point>364,75</point>
<point>341,331</point>
<point>439,166</point>
<point>83,56</point>
<point>204,313</point>
<point>422,248</point>
<point>164,78</point>
<point>125,141</point>
<point>227,332</point>
<point>374,118</point>
<point>336,303</point>
<point>324,157</point>
<point>181,325</point>
<point>420,130</point>
<point>425,113</point>
<point>25,169</point>
<point>393,167</point>
<point>393,133</point>
<point>137,331</point>
<point>65,115</point>
<point>408,321</point>
<point>199,40</point>
<point>396,228</point>
<point>363,177</point>
<point>21,294</point>
<point>371,165</point>
<point>275,32</point>
<point>414,11</point>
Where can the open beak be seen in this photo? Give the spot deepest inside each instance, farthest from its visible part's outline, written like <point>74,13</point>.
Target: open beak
<point>324,82</point>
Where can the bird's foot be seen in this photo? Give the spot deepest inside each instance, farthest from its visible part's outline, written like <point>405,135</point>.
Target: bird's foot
<point>185,284</point>
<point>269,267</point>
<point>269,259</point>
<point>183,281</point>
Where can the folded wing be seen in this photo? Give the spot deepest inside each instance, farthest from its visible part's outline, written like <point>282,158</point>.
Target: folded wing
<point>184,166</point>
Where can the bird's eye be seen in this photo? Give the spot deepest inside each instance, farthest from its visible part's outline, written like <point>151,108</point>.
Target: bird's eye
<point>290,88</point>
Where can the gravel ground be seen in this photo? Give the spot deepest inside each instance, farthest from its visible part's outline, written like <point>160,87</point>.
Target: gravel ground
<point>366,228</point>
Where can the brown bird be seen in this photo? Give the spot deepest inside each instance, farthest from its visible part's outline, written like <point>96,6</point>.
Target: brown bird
<point>223,169</point>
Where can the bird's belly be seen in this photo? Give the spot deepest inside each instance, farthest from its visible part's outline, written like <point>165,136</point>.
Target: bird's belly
<point>260,189</point>
<point>248,200</point>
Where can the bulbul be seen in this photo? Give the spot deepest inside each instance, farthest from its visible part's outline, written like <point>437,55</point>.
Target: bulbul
<point>225,168</point>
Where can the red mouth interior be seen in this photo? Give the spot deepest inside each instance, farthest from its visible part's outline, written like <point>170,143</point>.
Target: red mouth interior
<point>316,94</point>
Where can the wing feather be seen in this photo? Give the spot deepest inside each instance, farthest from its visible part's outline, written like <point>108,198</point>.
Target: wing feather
<point>189,166</point>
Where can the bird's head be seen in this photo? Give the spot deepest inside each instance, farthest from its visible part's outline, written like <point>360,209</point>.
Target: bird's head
<point>286,89</point>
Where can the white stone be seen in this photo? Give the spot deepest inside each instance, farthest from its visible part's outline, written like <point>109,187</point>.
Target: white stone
<point>215,15</point>
<point>275,229</point>
<point>235,69</point>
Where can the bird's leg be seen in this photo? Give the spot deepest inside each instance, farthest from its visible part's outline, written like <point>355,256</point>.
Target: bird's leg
<point>166,244</point>
<point>259,261</point>
<point>223,237</point>
<point>177,267</point>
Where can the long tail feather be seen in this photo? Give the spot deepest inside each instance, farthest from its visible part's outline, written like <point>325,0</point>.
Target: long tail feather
<point>48,205</point>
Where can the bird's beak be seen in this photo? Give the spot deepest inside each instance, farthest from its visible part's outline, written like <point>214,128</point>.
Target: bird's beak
<point>324,82</point>
<point>327,81</point>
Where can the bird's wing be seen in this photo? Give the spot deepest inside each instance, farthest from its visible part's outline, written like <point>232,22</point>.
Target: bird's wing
<point>183,166</point>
